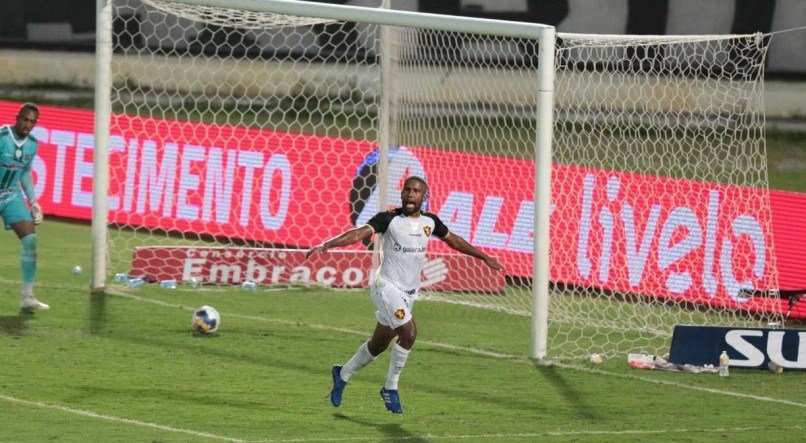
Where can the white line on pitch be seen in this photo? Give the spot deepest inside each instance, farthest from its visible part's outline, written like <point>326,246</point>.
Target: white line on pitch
<point>91,414</point>
<point>183,287</point>
<point>322,327</point>
<point>484,352</point>
<point>680,385</point>
<point>128,421</point>
<point>532,434</point>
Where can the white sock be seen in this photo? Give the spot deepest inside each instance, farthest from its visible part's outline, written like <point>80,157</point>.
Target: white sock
<point>361,358</point>
<point>396,363</point>
<point>28,290</point>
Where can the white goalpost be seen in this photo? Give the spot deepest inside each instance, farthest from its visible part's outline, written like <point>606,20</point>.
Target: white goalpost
<point>620,179</point>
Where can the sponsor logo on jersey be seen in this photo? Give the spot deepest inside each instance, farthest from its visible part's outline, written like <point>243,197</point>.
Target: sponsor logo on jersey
<point>405,250</point>
<point>414,250</point>
<point>400,313</point>
<point>12,166</point>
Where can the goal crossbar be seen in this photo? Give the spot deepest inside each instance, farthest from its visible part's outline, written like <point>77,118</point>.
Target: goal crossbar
<point>389,17</point>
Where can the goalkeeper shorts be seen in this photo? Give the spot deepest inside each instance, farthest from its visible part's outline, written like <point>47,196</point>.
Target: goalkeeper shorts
<point>393,304</point>
<point>15,211</point>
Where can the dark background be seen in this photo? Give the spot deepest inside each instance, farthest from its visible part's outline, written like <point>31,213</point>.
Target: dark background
<point>643,17</point>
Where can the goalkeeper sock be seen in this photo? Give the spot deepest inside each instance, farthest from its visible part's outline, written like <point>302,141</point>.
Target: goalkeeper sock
<point>396,363</point>
<point>361,358</point>
<point>28,263</point>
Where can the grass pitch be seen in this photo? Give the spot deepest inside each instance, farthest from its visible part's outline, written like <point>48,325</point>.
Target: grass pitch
<point>126,367</point>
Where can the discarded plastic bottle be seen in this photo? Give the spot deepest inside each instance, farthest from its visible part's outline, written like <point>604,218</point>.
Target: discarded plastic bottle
<point>120,277</point>
<point>136,282</point>
<point>168,284</point>
<point>724,364</point>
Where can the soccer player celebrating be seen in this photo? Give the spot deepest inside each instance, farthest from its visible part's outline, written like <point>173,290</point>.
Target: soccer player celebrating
<point>406,232</point>
<point>17,152</point>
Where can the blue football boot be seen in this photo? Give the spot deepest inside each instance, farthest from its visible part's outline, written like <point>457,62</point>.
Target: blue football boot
<point>392,400</point>
<point>338,386</point>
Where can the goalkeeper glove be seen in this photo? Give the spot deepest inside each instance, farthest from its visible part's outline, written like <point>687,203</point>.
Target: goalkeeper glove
<point>36,212</point>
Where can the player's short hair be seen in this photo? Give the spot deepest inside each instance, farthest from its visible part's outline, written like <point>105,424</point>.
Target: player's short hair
<point>416,179</point>
<point>420,180</point>
<point>28,107</point>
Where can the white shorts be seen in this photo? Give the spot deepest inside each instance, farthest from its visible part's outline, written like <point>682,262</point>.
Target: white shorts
<point>394,306</point>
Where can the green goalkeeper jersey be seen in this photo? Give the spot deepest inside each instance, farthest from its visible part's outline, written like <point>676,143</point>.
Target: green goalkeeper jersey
<point>16,157</point>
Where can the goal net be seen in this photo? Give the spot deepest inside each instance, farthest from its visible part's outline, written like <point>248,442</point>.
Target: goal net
<point>659,141</point>
<point>240,138</point>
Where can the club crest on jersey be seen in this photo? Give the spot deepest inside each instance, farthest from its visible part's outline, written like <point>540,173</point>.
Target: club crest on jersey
<point>427,230</point>
<point>17,153</point>
<point>400,313</point>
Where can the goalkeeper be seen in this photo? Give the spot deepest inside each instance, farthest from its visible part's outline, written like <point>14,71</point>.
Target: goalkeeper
<point>17,152</point>
<point>406,231</point>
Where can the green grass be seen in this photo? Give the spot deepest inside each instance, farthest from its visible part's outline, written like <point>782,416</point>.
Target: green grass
<point>130,359</point>
<point>786,161</point>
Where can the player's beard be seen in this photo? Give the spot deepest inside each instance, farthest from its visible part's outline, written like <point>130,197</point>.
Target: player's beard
<point>411,208</point>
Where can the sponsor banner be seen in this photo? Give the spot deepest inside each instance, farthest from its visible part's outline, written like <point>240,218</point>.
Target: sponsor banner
<point>346,269</point>
<point>656,236</point>
<point>687,240</point>
<point>746,347</point>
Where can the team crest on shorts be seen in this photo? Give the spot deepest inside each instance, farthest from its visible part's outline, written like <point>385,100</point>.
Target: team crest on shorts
<point>427,230</point>
<point>400,313</point>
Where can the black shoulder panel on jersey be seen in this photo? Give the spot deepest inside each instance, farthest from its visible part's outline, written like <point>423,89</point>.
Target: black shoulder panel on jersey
<point>4,130</point>
<point>381,221</point>
<point>440,230</point>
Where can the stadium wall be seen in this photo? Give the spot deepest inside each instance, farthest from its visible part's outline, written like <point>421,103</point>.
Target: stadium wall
<point>70,23</point>
<point>784,100</point>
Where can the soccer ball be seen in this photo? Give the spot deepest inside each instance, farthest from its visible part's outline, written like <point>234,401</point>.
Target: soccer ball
<point>206,320</point>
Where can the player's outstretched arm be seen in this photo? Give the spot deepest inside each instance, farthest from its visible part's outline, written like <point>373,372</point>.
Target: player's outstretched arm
<point>354,235</point>
<point>461,245</point>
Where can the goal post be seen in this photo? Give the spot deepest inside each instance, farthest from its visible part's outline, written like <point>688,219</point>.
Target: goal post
<point>542,212</point>
<point>620,179</point>
<point>103,111</point>
<point>217,11</point>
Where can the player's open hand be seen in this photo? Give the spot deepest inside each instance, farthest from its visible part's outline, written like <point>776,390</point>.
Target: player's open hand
<point>36,213</point>
<point>318,248</point>
<point>493,263</point>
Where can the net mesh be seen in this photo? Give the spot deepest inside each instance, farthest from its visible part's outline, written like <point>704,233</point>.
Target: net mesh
<point>668,136</point>
<point>235,129</point>
<point>232,18</point>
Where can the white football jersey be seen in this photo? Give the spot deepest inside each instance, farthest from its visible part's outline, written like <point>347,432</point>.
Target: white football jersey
<point>404,243</point>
